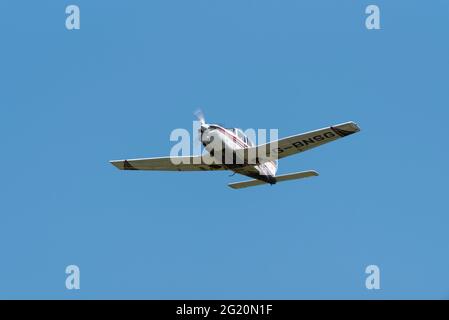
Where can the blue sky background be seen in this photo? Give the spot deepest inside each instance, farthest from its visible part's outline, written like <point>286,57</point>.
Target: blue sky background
<point>72,100</point>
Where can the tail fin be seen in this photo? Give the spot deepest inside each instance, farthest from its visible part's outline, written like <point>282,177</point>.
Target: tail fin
<point>285,177</point>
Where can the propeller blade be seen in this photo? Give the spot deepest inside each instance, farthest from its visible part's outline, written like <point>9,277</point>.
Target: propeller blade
<point>200,116</point>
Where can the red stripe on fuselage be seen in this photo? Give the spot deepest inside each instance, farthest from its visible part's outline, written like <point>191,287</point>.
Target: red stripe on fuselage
<point>234,137</point>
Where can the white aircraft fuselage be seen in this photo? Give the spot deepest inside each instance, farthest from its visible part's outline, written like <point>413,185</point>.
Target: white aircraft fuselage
<point>230,141</point>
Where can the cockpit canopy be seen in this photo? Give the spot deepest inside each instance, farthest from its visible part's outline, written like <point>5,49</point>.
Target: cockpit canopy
<point>239,133</point>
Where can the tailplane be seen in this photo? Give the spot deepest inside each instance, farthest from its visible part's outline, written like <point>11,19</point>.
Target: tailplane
<point>285,177</point>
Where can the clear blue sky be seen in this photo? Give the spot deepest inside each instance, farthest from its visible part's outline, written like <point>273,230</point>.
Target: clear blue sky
<point>72,100</point>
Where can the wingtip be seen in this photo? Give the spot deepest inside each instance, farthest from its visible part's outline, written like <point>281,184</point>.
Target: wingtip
<point>346,129</point>
<point>116,163</point>
<point>355,126</point>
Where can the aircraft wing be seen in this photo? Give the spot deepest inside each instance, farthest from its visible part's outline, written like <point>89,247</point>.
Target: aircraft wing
<point>191,163</point>
<point>299,143</point>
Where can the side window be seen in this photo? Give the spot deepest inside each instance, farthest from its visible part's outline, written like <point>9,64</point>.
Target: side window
<point>240,134</point>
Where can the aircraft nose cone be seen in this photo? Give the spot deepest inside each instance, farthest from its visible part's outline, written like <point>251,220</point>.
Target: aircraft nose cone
<point>204,127</point>
<point>206,136</point>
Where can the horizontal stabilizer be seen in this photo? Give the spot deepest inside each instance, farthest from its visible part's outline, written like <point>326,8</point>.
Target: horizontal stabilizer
<point>297,175</point>
<point>285,177</point>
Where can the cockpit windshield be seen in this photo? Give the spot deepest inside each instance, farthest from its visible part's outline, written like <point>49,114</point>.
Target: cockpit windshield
<point>239,133</point>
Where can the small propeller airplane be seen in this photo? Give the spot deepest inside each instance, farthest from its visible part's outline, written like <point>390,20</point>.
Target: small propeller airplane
<point>257,162</point>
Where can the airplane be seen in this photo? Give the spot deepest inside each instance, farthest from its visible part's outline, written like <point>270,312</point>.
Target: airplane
<point>257,162</point>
